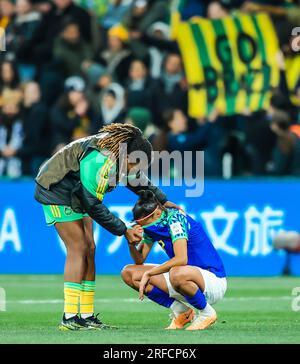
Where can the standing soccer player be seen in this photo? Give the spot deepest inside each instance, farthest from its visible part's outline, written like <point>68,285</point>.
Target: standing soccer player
<point>193,276</point>
<point>71,186</point>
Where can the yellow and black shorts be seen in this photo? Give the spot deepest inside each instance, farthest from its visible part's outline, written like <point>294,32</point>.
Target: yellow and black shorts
<point>56,213</point>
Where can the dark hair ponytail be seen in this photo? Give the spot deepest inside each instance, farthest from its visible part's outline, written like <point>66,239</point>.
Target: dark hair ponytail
<point>146,204</point>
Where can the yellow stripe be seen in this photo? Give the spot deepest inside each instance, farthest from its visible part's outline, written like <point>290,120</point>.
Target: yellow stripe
<point>292,66</point>
<point>103,181</point>
<point>102,185</point>
<point>102,170</point>
<point>58,211</point>
<point>256,63</point>
<point>109,165</point>
<point>194,71</point>
<point>239,67</point>
<point>207,28</point>
<point>272,48</point>
<point>52,210</point>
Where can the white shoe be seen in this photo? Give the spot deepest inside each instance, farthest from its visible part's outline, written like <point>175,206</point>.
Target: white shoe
<point>178,323</point>
<point>204,319</point>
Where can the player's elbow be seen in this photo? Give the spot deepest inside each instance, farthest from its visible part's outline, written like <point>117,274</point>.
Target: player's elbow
<point>182,261</point>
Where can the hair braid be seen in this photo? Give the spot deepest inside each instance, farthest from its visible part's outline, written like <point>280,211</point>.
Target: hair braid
<point>116,134</point>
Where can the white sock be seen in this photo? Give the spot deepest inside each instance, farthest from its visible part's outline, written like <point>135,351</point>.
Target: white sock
<point>69,315</point>
<point>86,315</point>
<point>208,310</point>
<point>178,307</point>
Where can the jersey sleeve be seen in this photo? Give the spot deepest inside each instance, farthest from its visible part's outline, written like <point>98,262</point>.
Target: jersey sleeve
<point>178,226</point>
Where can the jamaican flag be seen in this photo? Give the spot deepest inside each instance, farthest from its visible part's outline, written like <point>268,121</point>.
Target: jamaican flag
<point>230,63</point>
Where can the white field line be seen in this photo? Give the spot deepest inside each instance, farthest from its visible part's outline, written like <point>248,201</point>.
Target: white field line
<point>135,300</point>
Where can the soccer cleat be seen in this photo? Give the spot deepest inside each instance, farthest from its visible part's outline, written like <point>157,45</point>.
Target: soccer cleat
<point>181,320</point>
<point>202,322</point>
<point>94,323</point>
<point>74,323</point>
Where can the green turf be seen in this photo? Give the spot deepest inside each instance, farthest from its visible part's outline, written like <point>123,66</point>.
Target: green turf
<point>254,311</point>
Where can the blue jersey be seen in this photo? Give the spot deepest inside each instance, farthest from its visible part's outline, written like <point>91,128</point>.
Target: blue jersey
<point>175,224</point>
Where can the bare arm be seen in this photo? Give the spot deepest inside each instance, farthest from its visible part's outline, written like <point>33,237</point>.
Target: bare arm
<point>139,252</point>
<point>180,258</point>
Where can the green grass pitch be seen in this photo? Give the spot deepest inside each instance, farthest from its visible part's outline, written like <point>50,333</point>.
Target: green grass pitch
<point>255,310</point>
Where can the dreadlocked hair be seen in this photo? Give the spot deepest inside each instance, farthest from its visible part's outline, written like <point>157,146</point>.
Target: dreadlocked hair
<point>117,134</point>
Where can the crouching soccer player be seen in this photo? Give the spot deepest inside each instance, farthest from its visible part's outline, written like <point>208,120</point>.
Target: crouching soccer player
<point>193,277</point>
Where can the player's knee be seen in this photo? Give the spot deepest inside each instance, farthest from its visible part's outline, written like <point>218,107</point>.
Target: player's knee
<point>78,249</point>
<point>177,277</point>
<point>126,274</point>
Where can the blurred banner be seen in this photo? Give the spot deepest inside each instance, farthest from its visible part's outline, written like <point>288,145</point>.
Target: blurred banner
<point>240,217</point>
<point>292,66</point>
<point>230,63</point>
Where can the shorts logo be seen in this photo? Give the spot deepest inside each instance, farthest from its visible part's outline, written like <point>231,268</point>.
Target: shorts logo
<point>68,211</point>
<point>176,228</point>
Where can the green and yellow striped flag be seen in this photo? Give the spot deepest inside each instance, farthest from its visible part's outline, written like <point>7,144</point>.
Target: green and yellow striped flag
<point>230,63</point>
<point>292,73</point>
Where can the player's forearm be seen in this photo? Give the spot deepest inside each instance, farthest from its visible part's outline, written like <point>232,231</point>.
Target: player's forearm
<point>136,255</point>
<point>165,267</point>
<point>101,214</point>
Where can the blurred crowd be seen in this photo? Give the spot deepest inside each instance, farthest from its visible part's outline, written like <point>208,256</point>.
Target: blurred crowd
<point>71,67</point>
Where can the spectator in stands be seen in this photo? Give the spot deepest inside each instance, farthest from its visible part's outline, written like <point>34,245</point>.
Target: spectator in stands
<point>36,126</point>
<point>258,142</point>
<point>140,17</point>
<point>286,154</point>
<point>217,10</point>
<point>179,136</point>
<point>171,89</point>
<point>115,12</point>
<point>159,31</point>
<point>140,86</point>
<point>20,31</point>
<point>71,50</point>
<point>11,137</point>
<point>9,77</point>
<point>117,57</point>
<point>7,10</point>
<point>39,48</point>
<point>72,117</point>
<point>96,88</point>
<point>112,105</point>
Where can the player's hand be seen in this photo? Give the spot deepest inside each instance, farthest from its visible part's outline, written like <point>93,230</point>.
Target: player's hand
<point>171,205</point>
<point>143,283</point>
<point>133,236</point>
<point>138,229</point>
